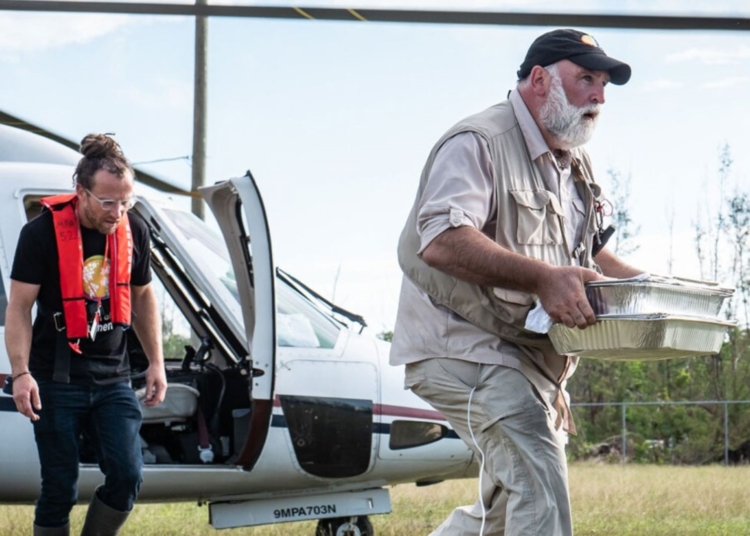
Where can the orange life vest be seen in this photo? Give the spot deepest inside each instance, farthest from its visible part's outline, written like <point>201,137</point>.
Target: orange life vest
<point>70,257</point>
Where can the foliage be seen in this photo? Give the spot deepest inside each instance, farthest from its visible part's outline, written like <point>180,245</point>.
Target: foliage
<point>385,335</point>
<point>173,343</point>
<point>625,229</point>
<point>688,434</point>
<point>174,346</point>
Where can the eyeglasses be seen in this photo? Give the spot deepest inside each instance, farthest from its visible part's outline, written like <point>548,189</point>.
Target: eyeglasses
<point>109,204</point>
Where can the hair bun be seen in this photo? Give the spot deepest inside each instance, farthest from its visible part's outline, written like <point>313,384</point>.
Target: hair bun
<point>100,146</point>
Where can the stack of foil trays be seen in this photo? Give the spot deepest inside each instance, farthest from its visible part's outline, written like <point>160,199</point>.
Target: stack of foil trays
<point>648,318</point>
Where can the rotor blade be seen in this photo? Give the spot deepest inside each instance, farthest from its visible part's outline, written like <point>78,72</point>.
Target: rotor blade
<point>141,176</point>
<point>649,22</point>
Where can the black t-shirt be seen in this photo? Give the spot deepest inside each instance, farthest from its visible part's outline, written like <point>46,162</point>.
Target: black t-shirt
<point>105,359</point>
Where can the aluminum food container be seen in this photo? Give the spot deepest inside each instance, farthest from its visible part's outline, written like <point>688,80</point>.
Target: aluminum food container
<point>657,295</point>
<point>641,337</point>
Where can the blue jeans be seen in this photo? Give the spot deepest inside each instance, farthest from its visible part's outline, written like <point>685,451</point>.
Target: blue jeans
<point>112,416</point>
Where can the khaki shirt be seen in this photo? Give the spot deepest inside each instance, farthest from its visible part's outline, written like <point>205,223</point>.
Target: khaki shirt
<point>460,191</point>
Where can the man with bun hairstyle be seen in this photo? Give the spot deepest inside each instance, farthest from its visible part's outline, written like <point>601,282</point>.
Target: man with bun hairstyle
<point>505,221</point>
<point>85,263</point>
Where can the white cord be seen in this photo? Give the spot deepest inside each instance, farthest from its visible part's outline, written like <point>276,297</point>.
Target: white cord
<point>481,467</point>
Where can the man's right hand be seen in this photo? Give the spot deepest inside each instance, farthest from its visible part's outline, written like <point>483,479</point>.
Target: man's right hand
<point>26,396</point>
<point>564,298</point>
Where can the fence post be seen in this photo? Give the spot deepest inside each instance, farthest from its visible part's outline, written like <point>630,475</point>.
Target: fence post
<point>624,448</point>
<point>624,410</point>
<point>726,434</point>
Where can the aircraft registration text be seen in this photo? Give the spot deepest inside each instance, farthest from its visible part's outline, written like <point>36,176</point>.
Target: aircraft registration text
<point>304,511</point>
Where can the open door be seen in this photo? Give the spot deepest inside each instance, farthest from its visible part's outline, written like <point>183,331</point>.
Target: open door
<point>218,293</point>
<point>241,216</point>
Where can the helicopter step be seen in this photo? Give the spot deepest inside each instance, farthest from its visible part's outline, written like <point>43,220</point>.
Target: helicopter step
<point>225,515</point>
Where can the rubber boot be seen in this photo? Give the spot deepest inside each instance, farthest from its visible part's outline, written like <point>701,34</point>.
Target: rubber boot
<point>102,520</point>
<point>52,531</point>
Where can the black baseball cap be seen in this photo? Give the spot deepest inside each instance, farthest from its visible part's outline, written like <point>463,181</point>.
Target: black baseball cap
<point>578,47</point>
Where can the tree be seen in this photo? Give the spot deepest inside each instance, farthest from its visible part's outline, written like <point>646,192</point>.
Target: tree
<point>738,231</point>
<point>625,230</point>
<point>385,335</point>
<point>709,227</point>
<point>693,434</point>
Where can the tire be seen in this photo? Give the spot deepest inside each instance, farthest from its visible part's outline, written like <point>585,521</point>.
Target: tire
<point>345,526</point>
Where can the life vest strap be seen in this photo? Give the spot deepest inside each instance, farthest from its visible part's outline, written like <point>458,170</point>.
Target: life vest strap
<point>72,323</point>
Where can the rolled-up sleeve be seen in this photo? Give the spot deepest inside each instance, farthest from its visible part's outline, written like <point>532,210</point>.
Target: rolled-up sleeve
<point>459,189</point>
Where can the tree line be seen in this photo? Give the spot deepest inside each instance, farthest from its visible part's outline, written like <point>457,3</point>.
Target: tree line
<point>690,434</point>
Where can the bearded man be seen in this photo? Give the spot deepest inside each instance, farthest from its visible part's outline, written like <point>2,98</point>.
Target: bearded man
<point>504,220</point>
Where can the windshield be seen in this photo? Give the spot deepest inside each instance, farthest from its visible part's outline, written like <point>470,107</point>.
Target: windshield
<point>209,253</point>
<point>300,324</point>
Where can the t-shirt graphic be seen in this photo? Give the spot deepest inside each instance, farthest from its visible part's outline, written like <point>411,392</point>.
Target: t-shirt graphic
<point>96,277</point>
<point>96,288</point>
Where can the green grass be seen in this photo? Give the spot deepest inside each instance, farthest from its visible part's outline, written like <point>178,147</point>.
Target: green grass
<point>660,500</point>
<point>607,500</point>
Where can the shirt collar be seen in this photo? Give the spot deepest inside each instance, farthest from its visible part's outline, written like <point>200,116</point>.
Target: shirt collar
<point>530,130</point>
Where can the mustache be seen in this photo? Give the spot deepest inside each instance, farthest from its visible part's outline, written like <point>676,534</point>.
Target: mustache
<point>593,109</point>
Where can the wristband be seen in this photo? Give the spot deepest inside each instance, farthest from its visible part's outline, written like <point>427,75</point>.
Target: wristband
<point>21,374</point>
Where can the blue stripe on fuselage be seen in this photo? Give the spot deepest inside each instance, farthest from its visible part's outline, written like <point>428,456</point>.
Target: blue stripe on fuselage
<point>278,421</point>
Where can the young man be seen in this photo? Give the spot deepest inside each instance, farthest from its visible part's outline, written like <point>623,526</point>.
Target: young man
<point>85,262</point>
<point>504,216</point>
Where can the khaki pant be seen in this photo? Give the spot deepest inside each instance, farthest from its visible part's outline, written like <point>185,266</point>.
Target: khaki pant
<point>525,477</point>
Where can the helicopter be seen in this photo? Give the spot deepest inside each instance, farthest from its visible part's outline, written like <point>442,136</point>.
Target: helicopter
<point>277,409</point>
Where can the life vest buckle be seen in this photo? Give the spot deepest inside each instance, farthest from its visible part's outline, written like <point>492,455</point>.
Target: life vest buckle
<point>59,321</point>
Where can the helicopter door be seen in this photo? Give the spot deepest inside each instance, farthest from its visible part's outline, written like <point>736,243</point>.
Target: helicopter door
<point>241,216</point>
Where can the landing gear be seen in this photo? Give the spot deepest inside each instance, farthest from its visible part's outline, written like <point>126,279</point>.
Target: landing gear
<point>345,526</point>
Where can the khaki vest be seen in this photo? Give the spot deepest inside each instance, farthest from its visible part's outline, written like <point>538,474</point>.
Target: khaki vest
<point>529,222</point>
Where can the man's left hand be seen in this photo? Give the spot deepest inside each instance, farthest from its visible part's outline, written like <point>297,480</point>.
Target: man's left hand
<point>156,386</point>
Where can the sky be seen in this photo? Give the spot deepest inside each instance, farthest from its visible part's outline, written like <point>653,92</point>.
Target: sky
<point>335,119</point>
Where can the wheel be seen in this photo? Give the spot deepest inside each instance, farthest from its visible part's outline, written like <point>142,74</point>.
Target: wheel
<point>345,526</point>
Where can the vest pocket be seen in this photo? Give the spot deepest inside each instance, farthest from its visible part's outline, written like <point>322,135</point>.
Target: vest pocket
<point>514,303</point>
<point>516,297</point>
<point>538,217</point>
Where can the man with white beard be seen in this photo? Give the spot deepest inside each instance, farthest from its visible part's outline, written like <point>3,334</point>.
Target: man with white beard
<point>504,221</point>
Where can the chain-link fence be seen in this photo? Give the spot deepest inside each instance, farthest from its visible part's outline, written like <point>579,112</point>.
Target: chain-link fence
<point>687,436</point>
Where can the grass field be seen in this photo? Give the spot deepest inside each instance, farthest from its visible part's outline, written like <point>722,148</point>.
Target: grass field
<point>607,500</point>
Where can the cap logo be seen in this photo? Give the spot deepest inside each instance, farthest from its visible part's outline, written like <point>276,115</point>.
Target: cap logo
<point>589,40</point>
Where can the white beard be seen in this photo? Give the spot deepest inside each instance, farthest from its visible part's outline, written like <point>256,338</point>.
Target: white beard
<point>565,122</point>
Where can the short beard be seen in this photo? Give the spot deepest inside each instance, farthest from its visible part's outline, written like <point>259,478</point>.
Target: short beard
<point>97,222</point>
<point>565,122</point>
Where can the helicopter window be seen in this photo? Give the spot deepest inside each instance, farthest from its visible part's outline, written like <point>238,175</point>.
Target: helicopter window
<point>299,323</point>
<point>332,437</point>
<point>174,326</point>
<point>33,206</point>
<point>208,250</point>
<point>410,434</point>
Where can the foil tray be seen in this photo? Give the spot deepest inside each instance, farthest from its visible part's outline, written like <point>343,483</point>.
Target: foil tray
<point>657,295</point>
<point>641,337</point>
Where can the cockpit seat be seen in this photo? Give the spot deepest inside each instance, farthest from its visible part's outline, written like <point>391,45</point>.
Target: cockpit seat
<point>180,403</point>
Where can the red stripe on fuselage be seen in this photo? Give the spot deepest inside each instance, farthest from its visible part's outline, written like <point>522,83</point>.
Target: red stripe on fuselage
<point>402,411</point>
<point>394,411</point>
